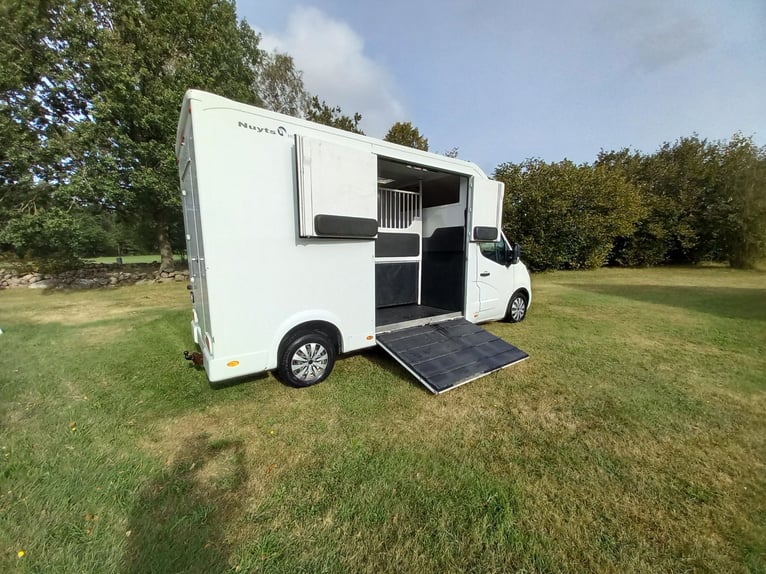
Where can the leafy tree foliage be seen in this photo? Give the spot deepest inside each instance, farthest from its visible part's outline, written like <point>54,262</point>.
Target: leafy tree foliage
<point>319,111</point>
<point>144,67</point>
<point>704,201</point>
<point>280,85</point>
<point>89,96</point>
<point>567,216</point>
<point>403,133</point>
<point>737,210</point>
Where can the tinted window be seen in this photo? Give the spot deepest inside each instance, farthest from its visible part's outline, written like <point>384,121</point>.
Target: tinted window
<point>494,250</point>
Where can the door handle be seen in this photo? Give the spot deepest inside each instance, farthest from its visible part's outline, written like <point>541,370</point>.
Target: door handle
<point>484,274</point>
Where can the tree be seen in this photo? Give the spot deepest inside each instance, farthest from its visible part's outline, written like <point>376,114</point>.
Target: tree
<point>319,111</point>
<point>279,86</point>
<point>42,99</point>
<point>735,210</point>
<point>567,216</point>
<point>403,133</point>
<point>452,152</point>
<point>141,67</point>
<point>703,201</point>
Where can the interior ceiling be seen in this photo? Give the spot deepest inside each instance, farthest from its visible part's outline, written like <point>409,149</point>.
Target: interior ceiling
<point>404,175</point>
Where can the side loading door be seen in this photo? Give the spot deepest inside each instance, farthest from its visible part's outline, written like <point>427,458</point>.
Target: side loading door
<point>484,220</point>
<point>337,190</point>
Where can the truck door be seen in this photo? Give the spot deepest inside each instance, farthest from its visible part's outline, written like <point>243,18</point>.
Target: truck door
<point>484,217</point>
<point>494,277</point>
<point>485,209</point>
<point>337,190</point>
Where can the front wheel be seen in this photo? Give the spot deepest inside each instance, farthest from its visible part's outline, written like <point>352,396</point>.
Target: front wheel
<point>517,307</point>
<point>307,359</point>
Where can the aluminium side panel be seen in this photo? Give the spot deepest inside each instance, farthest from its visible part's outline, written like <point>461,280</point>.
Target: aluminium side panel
<point>201,327</point>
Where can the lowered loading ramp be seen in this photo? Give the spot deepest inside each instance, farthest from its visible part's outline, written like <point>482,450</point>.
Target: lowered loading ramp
<point>448,354</point>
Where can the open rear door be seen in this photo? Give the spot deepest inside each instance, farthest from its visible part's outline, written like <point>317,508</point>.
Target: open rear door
<point>486,206</point>
<point>448,354</point>
<point>337,190</point>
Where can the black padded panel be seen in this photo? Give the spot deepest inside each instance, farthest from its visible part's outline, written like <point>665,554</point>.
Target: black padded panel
<point>397,245</point>
<point>445,239</point>
<point>485,233</point>
<point>396,284</point>
<point>443,269</point>
<point>447,354</point>
<point>442,280</point>
<point>343,226</point>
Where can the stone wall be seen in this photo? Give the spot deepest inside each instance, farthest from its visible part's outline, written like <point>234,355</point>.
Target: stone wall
<point>91,276</point>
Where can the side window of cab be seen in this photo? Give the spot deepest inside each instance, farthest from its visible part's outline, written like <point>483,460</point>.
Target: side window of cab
<point>494,250</point>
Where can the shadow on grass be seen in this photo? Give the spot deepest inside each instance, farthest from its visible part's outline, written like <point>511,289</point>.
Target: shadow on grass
<point>178,523</point>
<point>727,302</point>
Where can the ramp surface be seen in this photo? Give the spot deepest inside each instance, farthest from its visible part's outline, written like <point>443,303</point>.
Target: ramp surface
<point>445,355</point>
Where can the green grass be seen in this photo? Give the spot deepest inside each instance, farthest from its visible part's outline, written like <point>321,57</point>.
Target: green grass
<point>632,440</point>
<point>126,259</point>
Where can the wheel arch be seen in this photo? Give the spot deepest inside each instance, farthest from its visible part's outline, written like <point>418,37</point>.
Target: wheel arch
<point>304,322</point>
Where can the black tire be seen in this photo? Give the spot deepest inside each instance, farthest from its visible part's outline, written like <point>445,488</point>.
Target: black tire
<point>307,358</point>
<point>517,307</point>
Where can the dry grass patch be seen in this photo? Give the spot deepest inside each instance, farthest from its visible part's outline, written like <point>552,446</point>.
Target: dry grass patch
<point>89,306</point>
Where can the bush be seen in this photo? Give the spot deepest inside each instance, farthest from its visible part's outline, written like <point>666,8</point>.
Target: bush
<point>567,216</point>
<point>58,238</point>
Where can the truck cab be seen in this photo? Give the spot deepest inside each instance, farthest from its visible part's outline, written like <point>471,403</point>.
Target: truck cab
<point>503,280</point>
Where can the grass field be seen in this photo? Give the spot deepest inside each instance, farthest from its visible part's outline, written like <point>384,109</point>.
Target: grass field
<point>632,440</point>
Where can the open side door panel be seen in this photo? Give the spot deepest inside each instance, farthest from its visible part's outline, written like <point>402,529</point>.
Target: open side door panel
<point>448,354</point>
<point>486,207</point>
<point>337,190</point>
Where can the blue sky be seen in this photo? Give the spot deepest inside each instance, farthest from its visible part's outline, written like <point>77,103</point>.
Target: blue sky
<point>508,80</point>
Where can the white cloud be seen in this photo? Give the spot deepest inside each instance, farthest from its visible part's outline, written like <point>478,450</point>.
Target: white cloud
<point>335,67</point>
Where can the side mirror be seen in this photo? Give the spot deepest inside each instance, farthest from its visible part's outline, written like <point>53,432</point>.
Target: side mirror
<point>515,254</point>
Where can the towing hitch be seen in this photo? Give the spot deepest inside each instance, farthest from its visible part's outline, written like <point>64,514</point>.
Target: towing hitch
<point>194,357</point>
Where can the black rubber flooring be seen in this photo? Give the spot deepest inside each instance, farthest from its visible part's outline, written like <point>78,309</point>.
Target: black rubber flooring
<point>401,313</point>
<point>447,354</point>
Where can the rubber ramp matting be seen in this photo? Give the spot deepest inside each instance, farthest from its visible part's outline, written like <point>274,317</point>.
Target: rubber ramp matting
<point>445,355</point>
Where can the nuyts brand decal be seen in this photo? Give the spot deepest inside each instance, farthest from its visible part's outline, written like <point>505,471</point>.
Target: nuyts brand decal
<point>280,131</point>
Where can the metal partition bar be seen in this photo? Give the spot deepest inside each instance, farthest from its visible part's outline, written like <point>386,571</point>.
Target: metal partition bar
<point>397,209</point>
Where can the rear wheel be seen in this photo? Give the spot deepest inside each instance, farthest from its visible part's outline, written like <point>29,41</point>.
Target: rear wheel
<point>517,307</point>
<point>307,359</point>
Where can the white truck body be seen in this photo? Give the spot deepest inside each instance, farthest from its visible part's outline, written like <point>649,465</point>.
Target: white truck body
<point>291,223</point>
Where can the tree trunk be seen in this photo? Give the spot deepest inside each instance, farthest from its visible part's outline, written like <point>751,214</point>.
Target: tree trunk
<point>163,240</point>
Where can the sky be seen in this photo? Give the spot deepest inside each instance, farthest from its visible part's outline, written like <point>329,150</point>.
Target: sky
<point>504,81</point>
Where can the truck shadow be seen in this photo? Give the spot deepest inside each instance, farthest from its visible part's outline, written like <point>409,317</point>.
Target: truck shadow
<point>220,385</point>
<point>178,522</point>
<point>727,302</point>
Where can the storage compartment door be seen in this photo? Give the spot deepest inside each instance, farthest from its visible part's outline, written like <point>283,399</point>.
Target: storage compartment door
<point>486,206</point>
<point>337,190</point>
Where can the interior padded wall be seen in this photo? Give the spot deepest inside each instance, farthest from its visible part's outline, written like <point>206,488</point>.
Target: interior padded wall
<point>396,284</point>
<point>397,245</point>
<point>443,269</point>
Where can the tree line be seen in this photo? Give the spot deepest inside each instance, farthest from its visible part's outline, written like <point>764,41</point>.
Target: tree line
<point>89,100</point>
<point>691,201</point>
